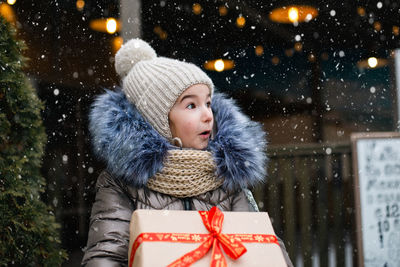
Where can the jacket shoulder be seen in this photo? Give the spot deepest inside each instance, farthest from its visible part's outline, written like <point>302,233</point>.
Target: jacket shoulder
<point>107,180</point>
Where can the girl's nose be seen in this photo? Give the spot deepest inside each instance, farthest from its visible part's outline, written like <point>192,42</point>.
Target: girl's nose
<point>207,114</point>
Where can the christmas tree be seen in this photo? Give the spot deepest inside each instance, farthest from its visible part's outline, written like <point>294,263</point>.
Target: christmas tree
<point>28,230</point>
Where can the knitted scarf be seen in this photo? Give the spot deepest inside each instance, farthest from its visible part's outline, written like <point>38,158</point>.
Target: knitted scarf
<point>186,173</point>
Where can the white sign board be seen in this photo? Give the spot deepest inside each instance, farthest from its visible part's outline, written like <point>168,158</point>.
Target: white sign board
<point>376,161</point>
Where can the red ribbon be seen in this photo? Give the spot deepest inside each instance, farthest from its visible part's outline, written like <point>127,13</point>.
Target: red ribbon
<point>213,219</point>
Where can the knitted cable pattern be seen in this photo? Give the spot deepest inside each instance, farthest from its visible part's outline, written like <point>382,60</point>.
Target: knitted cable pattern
<point>186,173</point>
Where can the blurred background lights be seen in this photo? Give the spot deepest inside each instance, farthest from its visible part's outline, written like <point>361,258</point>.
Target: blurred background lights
<point>395,30</point>
<point>324,56</point>
<point>11,2</point>
<point>259,50</point>
<point>240,21</point>
<point>108,25</point>
<point>219,65</point>
<point>116,43</point>
<point>160,32</point>
<point>377,26</point>
<point>298,47</point>
<point>361,11</point>
<point>372,62</point>
<point>275,60</point>
<point>293,14</point>
<point>223,10</point>
<point>289,52</point>
<point>197,9</point>
<point>111,25</point>
<point>80,4</point>
<point>7,12</point>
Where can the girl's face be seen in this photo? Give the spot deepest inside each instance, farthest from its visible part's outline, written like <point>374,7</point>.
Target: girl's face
<point>191,118</point>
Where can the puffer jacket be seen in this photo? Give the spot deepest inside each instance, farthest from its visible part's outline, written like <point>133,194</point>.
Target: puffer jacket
<point>133,152</point>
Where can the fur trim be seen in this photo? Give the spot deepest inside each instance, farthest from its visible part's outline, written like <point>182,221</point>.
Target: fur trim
<point>239,145</point>
<point>131,148</point>
<point>134,151</point>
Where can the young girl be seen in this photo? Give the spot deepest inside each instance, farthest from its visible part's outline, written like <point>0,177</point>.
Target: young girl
<point>169,142</point>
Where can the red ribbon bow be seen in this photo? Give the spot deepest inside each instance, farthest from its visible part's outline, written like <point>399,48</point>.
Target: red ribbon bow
<point>213,220</point>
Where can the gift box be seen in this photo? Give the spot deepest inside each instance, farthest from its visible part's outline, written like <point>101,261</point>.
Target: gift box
<point>203,238</point>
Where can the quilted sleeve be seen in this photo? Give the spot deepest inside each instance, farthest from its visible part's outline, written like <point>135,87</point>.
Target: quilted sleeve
<point>108,238</point>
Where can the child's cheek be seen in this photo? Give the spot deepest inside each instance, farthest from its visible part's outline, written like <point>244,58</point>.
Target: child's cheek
<point>189,127</point>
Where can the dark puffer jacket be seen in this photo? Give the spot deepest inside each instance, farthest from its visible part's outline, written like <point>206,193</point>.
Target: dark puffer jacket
<point>134,152</point>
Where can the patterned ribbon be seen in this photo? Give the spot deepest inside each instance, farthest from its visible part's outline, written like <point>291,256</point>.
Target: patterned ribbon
<point>213,219</point>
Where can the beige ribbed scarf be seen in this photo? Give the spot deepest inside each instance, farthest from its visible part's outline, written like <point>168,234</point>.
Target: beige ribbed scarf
<point>186,173</point>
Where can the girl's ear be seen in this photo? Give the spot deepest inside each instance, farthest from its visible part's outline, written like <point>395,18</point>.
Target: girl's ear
<point>176,141</point>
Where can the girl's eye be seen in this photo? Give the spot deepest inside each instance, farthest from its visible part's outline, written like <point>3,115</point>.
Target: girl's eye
<point>191,106</point>
<point>208,104</point>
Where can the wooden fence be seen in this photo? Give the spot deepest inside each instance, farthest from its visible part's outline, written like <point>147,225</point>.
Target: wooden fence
<point>309,197</point>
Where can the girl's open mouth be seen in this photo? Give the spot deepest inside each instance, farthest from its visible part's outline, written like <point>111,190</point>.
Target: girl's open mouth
<point>205,134</point>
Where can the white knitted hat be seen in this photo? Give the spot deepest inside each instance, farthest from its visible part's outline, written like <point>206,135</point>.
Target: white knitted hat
<point>153,84</point>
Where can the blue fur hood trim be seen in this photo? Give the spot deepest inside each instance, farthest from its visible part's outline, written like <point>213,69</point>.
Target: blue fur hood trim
<point>134,151</point>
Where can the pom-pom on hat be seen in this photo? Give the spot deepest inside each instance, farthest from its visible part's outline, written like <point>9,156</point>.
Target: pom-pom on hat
<point>153,84</point>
